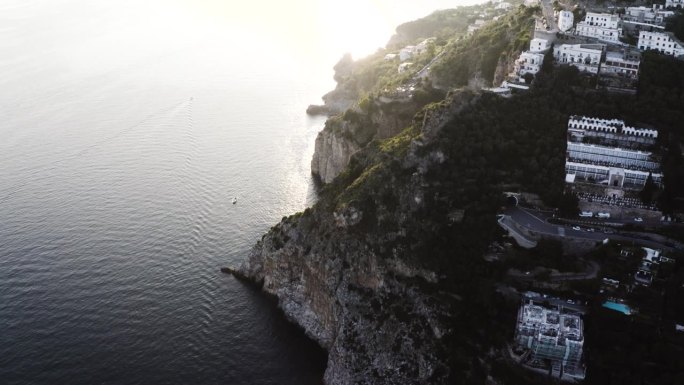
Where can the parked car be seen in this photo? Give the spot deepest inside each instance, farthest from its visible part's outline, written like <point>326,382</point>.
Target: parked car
<point>586,214</point>
<point>577,228</point>
<point>638,219</point>
<point>603,215</point>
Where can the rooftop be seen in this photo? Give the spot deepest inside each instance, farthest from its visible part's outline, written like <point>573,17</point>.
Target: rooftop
<point>551,322</point>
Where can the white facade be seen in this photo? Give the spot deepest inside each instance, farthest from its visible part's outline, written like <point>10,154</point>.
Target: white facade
<point>660,41</point>
<point>539,45</point>
<point>610,165</point>
<point>602,26</point>
<point>609,126</point>
<point>647,15</point>
<point>565,20</point>
<point>674,3</point>
<point>586,57</point>
<point>529,62</point>
<point>552,333</point>
<point>602,20</point>
<point>610,176</point>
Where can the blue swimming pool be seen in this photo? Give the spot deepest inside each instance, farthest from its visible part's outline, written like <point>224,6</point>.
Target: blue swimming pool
<point>621,307</point>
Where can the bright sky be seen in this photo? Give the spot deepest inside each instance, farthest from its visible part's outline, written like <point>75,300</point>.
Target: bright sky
<point>357,26</point>
<point>96,36</point>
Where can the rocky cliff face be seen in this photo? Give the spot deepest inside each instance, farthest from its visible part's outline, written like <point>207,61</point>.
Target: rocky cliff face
<point>347,273</point>
<point>346,134</point>
<point>332,153</point>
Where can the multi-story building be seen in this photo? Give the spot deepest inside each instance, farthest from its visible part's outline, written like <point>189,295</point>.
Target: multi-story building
<point>565,20</point>
<point>674,3</point>
<point>664,42</point>
<point>529,62</point>
<point>601,26</point>
<point>539,45</point>
<point>606,20</point>
<point>586,57</point>
<point>554,334</point>
<point>607,152</point>
<point>623,62</point>
<point>644,15</point>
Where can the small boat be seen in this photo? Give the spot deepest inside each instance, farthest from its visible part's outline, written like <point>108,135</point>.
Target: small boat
<point>235,200</point>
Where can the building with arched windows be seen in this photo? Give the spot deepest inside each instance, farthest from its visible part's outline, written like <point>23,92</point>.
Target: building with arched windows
<point>674,4</point>
<point>608,152</point>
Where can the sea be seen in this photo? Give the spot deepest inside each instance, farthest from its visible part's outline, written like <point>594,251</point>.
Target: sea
<point>127,129</point>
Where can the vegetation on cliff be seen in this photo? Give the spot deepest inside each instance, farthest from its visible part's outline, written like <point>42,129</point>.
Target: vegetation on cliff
<point>395,242</point>
<point>480,54</point>
<point>428,195</point>
<point>443,25</point>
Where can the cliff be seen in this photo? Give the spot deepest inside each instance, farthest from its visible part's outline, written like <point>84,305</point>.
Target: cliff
<point>373,100</point>
<point>344,135</point>
<point>332,153</point>
<point>351,275</point>
<point>385,271</point>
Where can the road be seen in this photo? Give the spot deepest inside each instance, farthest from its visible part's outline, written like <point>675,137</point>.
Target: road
<point>547,10</point>
<point>537,222</point>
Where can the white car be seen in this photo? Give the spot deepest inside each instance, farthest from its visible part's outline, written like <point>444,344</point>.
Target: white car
<point>577,228</point>
<point>638,219</point>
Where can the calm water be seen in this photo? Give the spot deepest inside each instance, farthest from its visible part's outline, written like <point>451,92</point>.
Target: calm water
<point>115,207</point>
<point>126,128</point>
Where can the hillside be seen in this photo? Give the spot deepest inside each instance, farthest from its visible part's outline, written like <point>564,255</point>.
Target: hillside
<point>386,270</point>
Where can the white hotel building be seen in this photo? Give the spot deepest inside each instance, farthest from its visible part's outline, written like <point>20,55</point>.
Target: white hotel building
<point>586,57</point>
<point>674,3</point>
<point>606,164</point>
<point>663,42</point>
<point>601,26</point>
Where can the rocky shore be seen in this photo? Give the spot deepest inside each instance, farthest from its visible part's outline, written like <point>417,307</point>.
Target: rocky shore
<point>341,275</point>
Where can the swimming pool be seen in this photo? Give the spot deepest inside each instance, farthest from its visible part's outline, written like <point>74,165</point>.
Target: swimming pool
<point>621,307</point>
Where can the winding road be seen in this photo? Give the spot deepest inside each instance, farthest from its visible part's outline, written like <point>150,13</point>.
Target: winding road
<point>537,222</point>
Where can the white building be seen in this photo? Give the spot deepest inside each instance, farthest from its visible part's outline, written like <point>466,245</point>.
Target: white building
<point>602,26</point>
<point>528,62</point>
<point>539,45</point>
<point>586,57</point>
<point>645,15</point>
<point>664,42</point>
<point>551,334</point>
<point>614,126</point>
<point>602,20</point>
<point>605,164</point>
<point>624,63</point>
<point>565,20</point>
<point>391,56</point>
<point>674,3</point>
